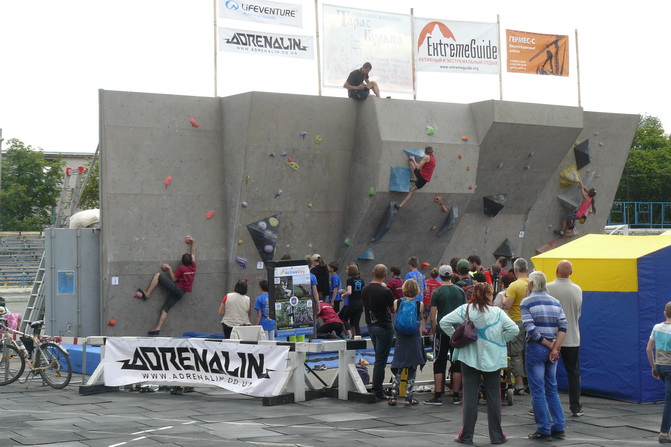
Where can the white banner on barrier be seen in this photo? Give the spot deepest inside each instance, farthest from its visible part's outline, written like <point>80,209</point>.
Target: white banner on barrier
<point>354,36</point>
<point>248,369</point>
<point>449,46</point>
<point>288,14</point>
<point>262,43</point>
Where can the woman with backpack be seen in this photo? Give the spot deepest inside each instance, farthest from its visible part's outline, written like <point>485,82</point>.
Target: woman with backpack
<point>408,351</point>
<point>483,357</point>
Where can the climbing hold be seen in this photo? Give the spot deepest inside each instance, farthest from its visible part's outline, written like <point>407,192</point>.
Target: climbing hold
<point>209,214</point>
<point>527,167</point>
<point>242,262</point>
<point>600,143</point>
<point>494,204</point>
<point>244,204</point>
<point>500,165</point>
<point>194,123</point>
<point>293,165</point>
<point>138,295</point>
<point>429,131</point>
<point>464,138</point>
<point>470,186</point>
<point>581,153</point>
<point>247,179</point>
<point>167,181</point>
<point>264,233</point>
<point>278,193</point>
<point>112,322</point>
<point>531,154</point>
<point>425,265</point>
<point>415,154</point>
<point>433,228</point>
<point>367,255</point>
<point>68,171</point>
<point>386,221</point>
<point>443,207</point>
<point>459,156</point>
<point>240,241</point>
<point>81,170</point>
<point>272,154</point>
<point>399,179</point>
<point>371,191</point>
<point>348,242</point>
<point>289,160</point>
<point>310,205</point>
<point>188,239</point>
<point>468,168</point>
<point>596,133</point>
<point>505,250</point>
<point>318,139</point>
<point>284,154</point>
<point>449,222</point>
<point>437,199</point>
<point>303,135</point>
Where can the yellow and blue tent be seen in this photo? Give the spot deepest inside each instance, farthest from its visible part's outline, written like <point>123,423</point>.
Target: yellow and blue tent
<point>625,283</point>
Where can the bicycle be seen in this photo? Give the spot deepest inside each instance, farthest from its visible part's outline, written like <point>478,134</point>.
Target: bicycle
<point>51,361</point>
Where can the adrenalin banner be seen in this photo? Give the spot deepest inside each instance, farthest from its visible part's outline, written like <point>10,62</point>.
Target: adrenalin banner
<point>533,53</point>
<point>354,36</point>
<point>457,47</point>
<point>269,44</point>
<point>248,369</point>
<point>262,11</point>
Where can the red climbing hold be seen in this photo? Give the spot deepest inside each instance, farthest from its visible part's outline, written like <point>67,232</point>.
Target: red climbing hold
<point>194,123</point>
<point>112,322</point>
<point>167,181</point>
<point>209,214</point>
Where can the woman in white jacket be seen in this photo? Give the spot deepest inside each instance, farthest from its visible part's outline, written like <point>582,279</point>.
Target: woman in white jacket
<point>482,358</point>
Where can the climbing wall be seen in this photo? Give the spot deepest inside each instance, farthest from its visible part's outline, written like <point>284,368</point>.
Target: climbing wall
<point>256,176</point>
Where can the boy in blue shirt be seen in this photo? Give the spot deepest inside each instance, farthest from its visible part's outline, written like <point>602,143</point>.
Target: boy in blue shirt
<point>334,285</point>
<point>263,311</point>
<point>413,264</point>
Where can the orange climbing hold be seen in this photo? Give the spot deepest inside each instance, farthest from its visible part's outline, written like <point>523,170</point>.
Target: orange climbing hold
<point>437,199</point>
<point>112,322</point>
<point>444,208</point>
<point>464,138</point>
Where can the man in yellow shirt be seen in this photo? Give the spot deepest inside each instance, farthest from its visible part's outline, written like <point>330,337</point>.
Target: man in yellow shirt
<point>511,303</point>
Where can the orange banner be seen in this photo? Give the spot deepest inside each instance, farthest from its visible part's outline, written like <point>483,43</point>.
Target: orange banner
<point>533,53</point>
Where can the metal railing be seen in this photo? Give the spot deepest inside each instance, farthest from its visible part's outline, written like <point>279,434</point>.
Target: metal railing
<point>641,214</point>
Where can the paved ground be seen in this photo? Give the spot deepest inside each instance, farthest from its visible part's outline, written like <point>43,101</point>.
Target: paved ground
<point>38,415</point>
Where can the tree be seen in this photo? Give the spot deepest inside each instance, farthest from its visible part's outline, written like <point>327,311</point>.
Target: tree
<point>30,188</point>
<point>647,173</point>
<point>90,197</point>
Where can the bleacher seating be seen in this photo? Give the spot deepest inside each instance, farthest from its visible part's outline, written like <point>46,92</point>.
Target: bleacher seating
<point>20,254</point>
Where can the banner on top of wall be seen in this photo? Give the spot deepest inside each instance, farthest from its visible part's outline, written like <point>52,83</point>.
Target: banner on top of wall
<point>275,13</point>
<point>268,44</point>
<point>533,53</point>
<point>255,370</point>
<point>449,46</point>
<point>354,36</point>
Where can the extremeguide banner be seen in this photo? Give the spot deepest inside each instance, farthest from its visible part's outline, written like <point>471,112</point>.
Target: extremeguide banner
<point>354,36</point>
<point>269,44</point>
<point>533,53</point>
<point>457,47</point>
<point>262,11</point>
<point>248,369</point>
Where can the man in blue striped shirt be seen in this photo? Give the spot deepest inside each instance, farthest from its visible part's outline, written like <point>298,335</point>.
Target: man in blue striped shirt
<point>545,324</point>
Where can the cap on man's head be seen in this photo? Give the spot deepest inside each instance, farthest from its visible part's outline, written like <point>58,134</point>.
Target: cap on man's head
<point>463,263</point>
<point>445,270</point>
<point>315,257</point>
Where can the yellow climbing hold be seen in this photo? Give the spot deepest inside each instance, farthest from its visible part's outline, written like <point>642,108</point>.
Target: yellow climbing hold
<point>293,165</point>
<point>273,221</point>
<point>318,139</point>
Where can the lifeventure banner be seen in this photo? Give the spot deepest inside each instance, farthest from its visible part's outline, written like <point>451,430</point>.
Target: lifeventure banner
<point>457,47</point>
<point>269,44</point>
<point>354,36</point>
<point>248,369</point>
<point>275,13</point>
<point>533,53</point>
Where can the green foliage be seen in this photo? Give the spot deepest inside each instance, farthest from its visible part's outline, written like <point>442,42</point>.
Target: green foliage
<point>647,173</point>
<point>90,197</point>
<point>30,188</point>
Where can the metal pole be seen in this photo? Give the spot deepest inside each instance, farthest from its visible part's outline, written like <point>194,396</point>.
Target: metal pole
<point>319,55</point>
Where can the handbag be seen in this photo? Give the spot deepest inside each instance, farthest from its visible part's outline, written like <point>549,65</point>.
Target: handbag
<point>465,334</point>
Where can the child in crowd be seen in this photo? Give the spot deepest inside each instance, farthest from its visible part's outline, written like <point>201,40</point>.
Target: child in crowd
<point>413,264</point>
<point>354,299</point>
<point>263,311</point>
<point>408,351</point>
<point>395,284</point>
<point>334,286</point>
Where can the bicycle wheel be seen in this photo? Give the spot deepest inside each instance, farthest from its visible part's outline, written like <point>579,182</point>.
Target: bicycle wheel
<point>11,364</point>
<point>54,365</point>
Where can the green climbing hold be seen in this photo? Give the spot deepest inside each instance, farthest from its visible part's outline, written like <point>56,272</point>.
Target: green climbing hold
<point>348,242</point>
<point>429,130</point>
<point>371,191</point>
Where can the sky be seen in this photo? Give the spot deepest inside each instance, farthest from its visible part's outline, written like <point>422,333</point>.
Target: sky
<point>57,55</point>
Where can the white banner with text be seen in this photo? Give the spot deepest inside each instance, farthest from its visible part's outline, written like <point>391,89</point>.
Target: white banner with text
<point>243,368</point>
<point>262,11</point>
<point>269,44</point>
<point>457,47</point>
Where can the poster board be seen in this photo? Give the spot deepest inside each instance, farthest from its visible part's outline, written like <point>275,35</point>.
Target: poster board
<point>292,304</point>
